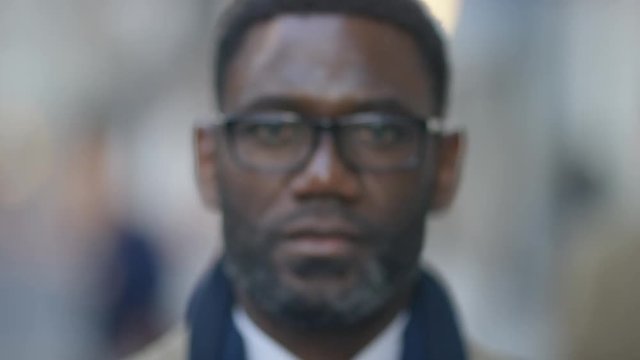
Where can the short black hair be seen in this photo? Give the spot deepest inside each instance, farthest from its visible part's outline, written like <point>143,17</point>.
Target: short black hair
<point>408,15</point>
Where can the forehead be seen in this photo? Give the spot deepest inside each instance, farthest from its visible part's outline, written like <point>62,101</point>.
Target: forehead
<point>328,63</point>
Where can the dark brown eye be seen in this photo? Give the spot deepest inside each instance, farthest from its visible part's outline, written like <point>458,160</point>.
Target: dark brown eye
<point>381,141</point>
<point>268,129</point>
<point>380,134</point>
<point>268,134</point>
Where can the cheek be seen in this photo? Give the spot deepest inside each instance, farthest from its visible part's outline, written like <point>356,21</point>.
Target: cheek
<point>249,193</point>
<point>397,198</point>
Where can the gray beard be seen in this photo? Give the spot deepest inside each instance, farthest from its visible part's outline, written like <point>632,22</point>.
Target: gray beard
<point>322,311</point>
<point>380,277</point>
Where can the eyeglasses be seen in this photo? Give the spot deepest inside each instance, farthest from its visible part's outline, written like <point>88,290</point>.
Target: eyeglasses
<point>282,141</point>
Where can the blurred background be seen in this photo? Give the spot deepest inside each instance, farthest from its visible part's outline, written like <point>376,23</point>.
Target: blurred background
<point>103,236</point>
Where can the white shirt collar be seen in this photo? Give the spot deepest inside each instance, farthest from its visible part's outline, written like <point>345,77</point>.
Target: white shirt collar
<point>258,345</point>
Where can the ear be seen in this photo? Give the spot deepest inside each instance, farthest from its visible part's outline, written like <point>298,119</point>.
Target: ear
<point>450,156</point>
<point>204,141</point>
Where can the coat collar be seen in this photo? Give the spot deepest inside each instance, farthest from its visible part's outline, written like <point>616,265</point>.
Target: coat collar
<point>432,332</point>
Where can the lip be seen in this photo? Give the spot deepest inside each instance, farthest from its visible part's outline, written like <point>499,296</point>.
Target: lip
<point>321,238</point>
<point>320,246</point>
<point>322,228</point>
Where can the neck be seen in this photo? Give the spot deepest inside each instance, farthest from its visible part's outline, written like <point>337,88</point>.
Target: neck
<point>326,344</point>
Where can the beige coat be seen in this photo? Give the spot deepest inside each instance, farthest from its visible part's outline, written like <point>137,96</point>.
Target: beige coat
<point>173,346</point>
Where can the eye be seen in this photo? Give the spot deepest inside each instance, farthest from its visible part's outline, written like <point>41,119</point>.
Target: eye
<point>269,133</point>
<point>380,133</point>
<point>269,130</point>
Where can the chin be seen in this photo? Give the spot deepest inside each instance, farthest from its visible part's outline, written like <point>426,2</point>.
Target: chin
<point>317,294</point>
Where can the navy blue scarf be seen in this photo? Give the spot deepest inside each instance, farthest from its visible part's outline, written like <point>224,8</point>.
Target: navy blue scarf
<point>431,334</point>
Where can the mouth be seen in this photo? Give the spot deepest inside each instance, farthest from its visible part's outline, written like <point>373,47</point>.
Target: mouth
<point>320,251</point>
<point>321,239</point>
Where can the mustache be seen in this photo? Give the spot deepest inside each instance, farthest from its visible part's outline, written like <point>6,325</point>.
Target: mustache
<point>321,210</point>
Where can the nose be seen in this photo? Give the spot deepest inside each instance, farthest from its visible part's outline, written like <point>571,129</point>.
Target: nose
<point>326,175</point>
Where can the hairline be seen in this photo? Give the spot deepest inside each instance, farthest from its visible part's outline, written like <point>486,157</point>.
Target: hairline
<point>437,74</point>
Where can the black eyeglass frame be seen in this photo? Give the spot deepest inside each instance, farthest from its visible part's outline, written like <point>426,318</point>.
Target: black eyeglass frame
<point>428,127</point>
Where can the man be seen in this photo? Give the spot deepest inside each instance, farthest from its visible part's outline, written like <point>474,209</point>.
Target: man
<point>325,160</point>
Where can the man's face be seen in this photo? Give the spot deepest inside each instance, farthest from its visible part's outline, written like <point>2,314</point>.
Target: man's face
<point>325,244</point>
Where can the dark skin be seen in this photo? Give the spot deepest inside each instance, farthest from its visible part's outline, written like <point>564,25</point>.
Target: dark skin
<point>328,65</point>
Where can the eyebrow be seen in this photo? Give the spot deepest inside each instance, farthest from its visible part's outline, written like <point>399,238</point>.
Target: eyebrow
<point>385,105</point>
<point>299,105</point>
<point>274,103</point>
